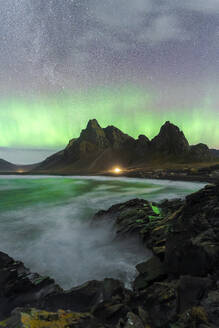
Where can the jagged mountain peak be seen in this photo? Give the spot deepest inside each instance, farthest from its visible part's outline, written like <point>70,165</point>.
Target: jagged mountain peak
<point>143,139</point>
<point>90,139</point>
<point>92,129</point>
<point>115,136</point>
<point>168,126</point>
<point>99,148</point>
<point>200,152</point>
<point>170,140</point>
<point>93,124</point>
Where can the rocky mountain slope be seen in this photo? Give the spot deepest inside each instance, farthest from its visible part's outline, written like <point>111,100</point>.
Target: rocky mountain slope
<point>7,166</point>
<point>98,149</point>
<point>176,288</point>
<point>215,152</point>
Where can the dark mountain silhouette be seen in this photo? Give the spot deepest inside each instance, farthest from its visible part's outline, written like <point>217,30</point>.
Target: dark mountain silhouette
<point>200,152</point>
<point>7,166</point>
<point>215,152</point>
<point>100,148</point>
<point>170,141</point>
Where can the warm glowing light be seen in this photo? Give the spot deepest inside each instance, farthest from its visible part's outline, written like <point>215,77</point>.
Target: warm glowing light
<point>117,170</point>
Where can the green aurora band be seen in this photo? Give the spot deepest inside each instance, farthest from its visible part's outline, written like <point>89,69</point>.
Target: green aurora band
<point>50,121</point>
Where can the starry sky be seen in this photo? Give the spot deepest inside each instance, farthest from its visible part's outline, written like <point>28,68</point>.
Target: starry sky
<point>129,63</point>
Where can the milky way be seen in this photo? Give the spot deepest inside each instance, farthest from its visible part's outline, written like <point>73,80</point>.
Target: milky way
<point>133,64</point>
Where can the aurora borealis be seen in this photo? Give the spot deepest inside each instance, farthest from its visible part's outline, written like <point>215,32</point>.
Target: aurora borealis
<point>55,120</point>
<point>132,64</point>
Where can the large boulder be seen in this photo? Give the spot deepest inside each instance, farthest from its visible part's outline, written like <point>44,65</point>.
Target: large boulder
<point>192,243</point>
<point>31,317</point>
<point>19,287</point>
<point>159,301</point>
<point>149,271</point>
<point>190,291</point>
<point>79,299</point>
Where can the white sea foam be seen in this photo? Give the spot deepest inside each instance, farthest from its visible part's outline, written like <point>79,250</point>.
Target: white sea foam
<point>45,222</point>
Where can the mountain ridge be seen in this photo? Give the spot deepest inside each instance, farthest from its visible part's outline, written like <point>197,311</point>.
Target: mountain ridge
<point>100,148</point>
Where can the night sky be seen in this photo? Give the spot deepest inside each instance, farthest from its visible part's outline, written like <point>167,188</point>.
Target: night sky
<point>129,63</point>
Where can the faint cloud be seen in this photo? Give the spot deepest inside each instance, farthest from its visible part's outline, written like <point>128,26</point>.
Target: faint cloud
<point>204,6</point>
<point>121,13</point>
<point>164,28</point>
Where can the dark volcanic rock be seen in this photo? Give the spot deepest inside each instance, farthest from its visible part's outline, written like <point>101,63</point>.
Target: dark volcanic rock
<point>92,140</point>
<point>149,271</point>
<point>170,141</point>
<point>215,152</point>
<point>159,301</point>
<point>20,287</point>
<point>116,137</point>
<point>137,217</point>
<point>192,244</point>
<point>191,290</point>
<point>142,147</point>
<point>181,286</point>
<point>94,134</point>
<point>210,306</point>
<point>200,153</point>
<point>79,299</point>
<point>177,287</point>
<point>27,317</point>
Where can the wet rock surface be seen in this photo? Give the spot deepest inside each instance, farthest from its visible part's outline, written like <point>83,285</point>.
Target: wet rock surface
<point>209,173</point>
<point>177,287</point>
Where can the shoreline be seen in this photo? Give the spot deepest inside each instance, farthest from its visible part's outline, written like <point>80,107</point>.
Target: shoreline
<point>134,174</point>
<point>178,283</point>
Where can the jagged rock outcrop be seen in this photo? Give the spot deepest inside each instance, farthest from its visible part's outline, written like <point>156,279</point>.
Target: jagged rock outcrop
<point>92,140</point>
<point>176,287</point>
<point>192,245</point>
<point>33,318</point>
<point>142,147</point>
<point>94,134</point>
<point>19,287</point>
<point>116,137</point>
<point>170,141</point>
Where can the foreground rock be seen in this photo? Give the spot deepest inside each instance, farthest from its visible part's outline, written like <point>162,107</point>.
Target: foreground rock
<point>208,173</point>
<point>19,287</point>
<point>32,318</point>
<point>177,287</point>
<point>179,284</point>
